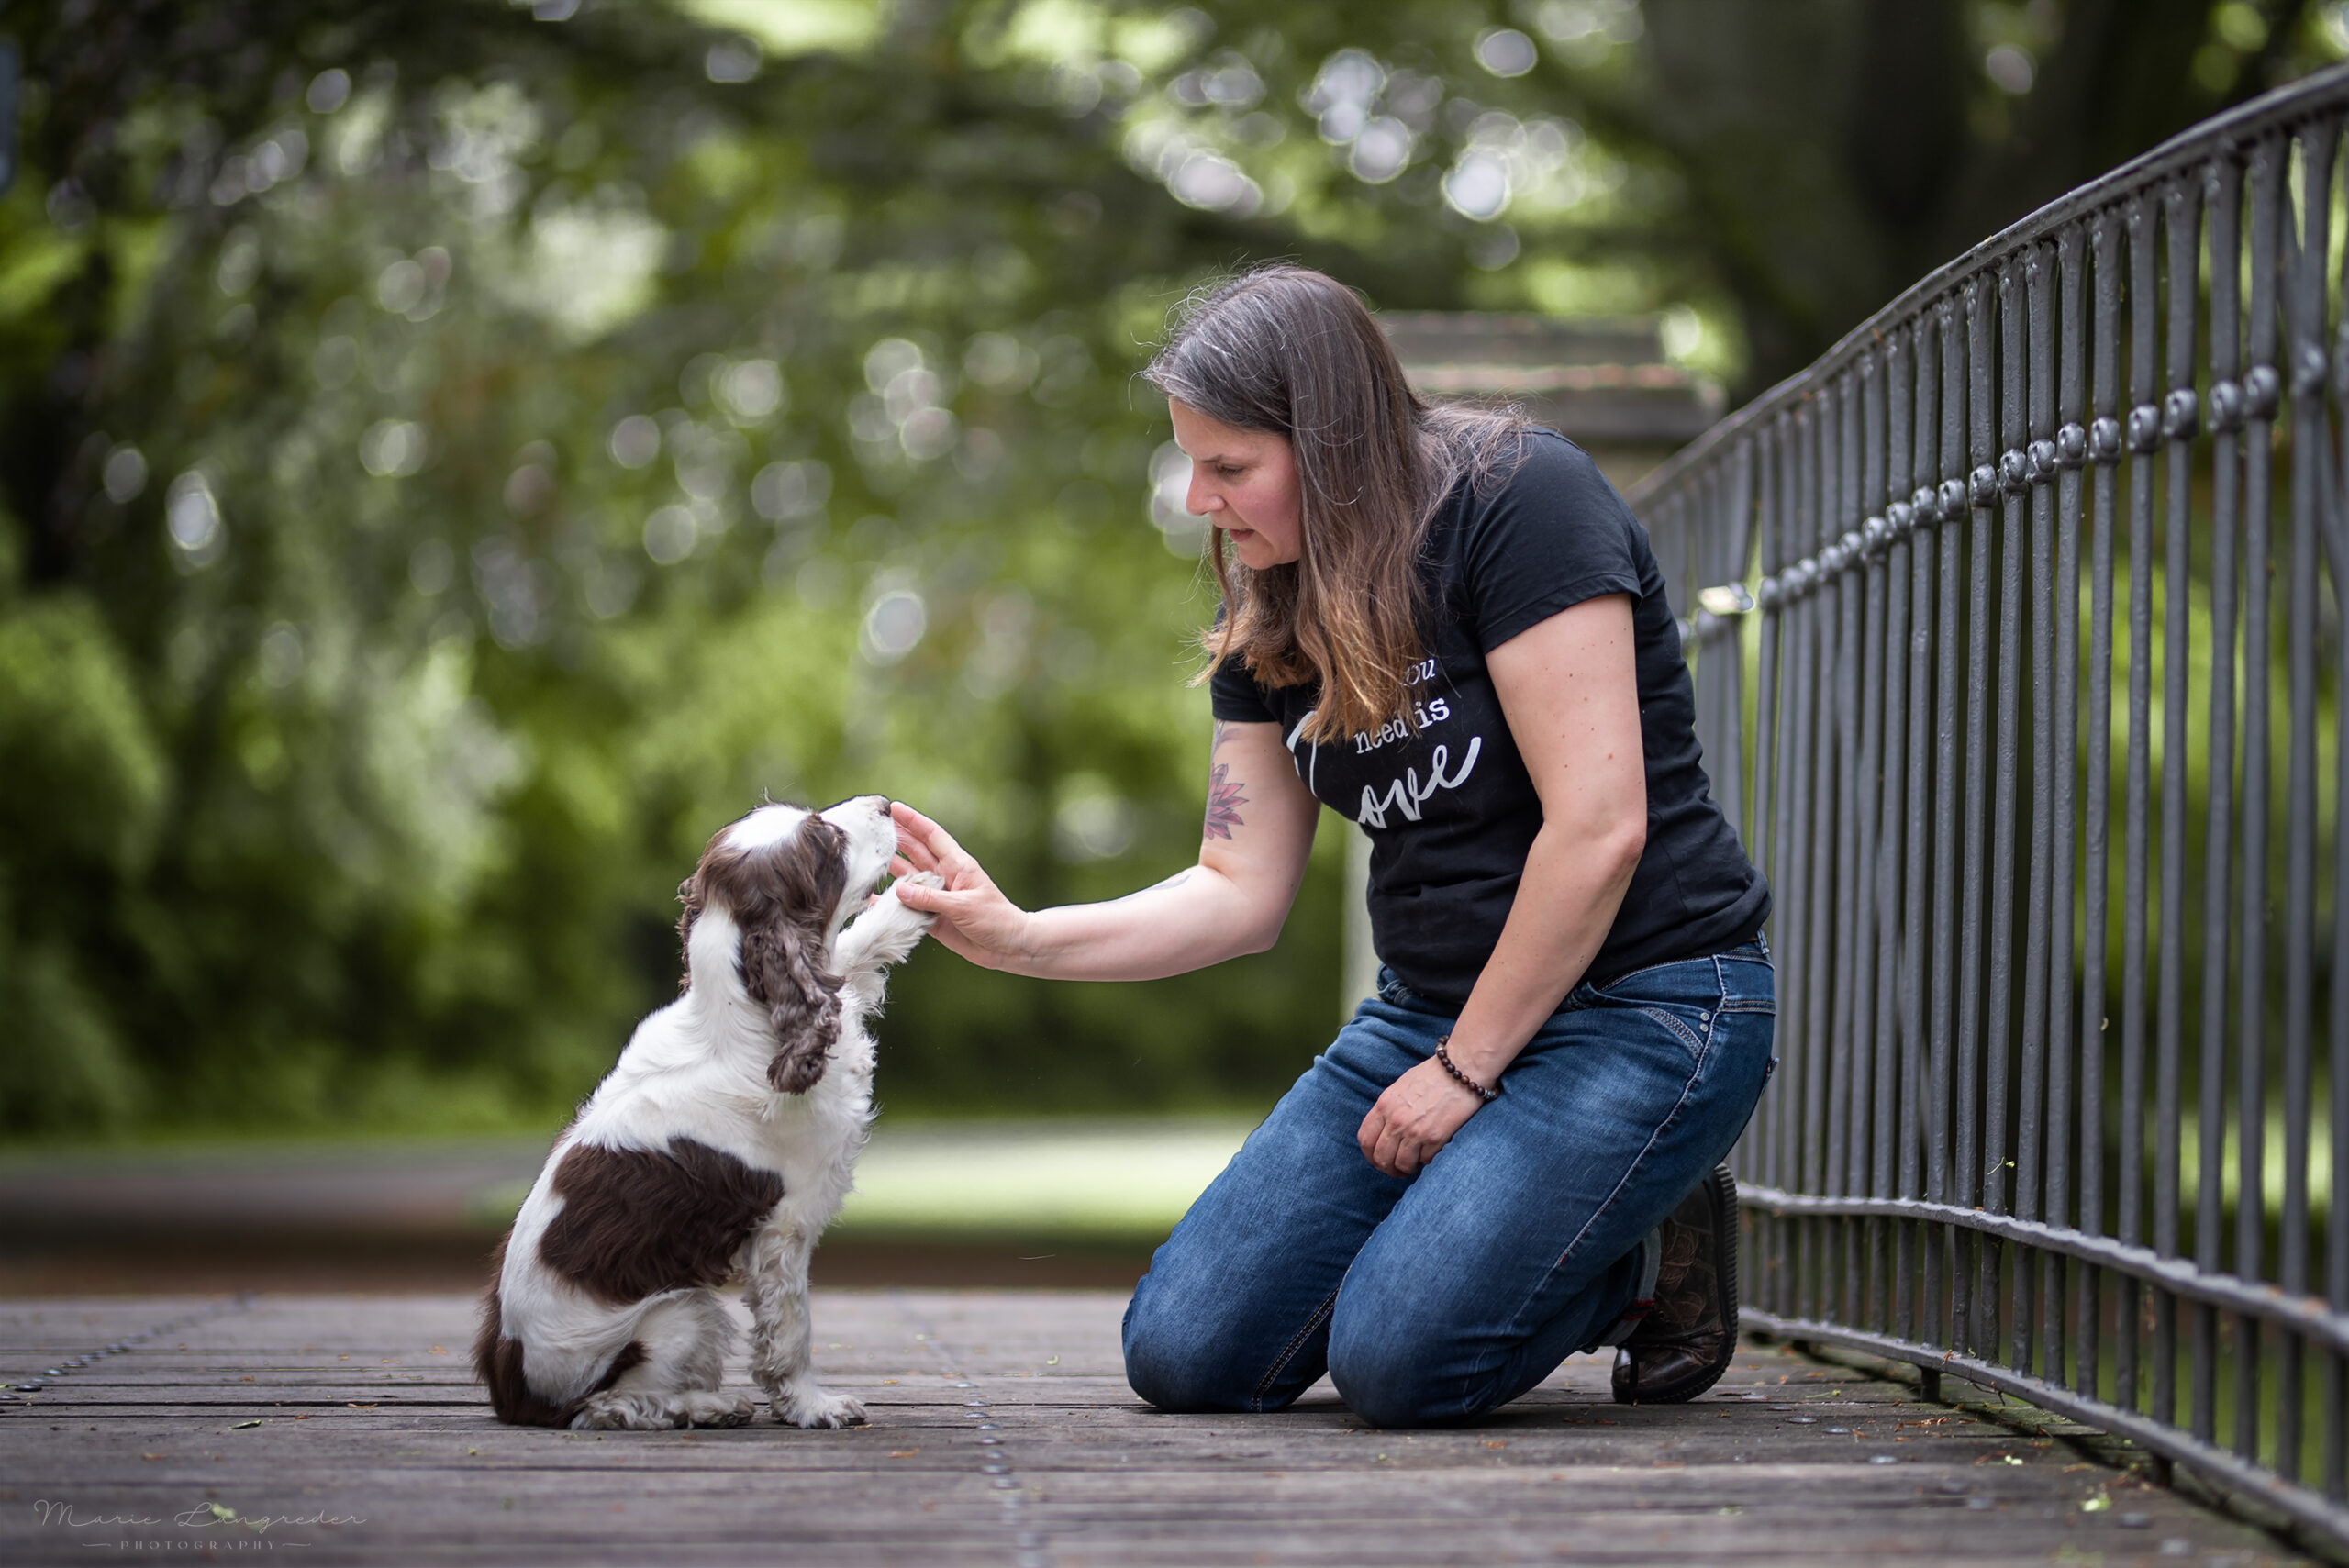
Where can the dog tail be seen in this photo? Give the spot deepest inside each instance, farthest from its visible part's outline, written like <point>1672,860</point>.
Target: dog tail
<point>498,1362</point>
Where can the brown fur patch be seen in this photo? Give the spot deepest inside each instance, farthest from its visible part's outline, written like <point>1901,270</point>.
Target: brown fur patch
<point>498,1362</point>
<point>782,897</point>
<point>635,1221</point>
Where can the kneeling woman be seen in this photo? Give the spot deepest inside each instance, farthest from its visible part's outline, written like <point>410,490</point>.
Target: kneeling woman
<point>1445,625</point>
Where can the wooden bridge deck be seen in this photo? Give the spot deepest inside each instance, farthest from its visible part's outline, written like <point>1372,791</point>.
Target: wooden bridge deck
<point>347,1430</point>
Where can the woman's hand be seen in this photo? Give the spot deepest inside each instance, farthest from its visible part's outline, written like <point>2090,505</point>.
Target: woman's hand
<point>975,918</point>
<point>1414,1119</point>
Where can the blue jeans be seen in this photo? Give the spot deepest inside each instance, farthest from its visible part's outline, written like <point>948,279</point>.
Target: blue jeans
<point>1436,1298</point>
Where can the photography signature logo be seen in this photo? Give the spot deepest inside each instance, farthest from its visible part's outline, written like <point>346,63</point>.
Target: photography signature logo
<point>210,1526</point>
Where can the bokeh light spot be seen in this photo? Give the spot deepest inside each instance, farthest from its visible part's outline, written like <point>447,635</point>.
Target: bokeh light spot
<point>1504,51</point>
<point>894,625</point>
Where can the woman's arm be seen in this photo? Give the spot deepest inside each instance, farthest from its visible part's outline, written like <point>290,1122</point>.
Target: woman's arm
<point>1569,688</point>
<point>1253,850</point>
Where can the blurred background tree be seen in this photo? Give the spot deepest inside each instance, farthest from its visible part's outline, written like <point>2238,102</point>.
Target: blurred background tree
<point>456,455</point>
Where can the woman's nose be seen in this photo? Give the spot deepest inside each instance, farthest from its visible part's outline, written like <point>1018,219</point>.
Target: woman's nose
<point>1199,500</point>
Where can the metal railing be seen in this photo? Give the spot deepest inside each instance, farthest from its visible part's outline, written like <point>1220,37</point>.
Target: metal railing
<point>2019,637</point>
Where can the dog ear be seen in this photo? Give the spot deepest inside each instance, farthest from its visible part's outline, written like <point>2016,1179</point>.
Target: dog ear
<point>802,999</point>
<point>690,893</point>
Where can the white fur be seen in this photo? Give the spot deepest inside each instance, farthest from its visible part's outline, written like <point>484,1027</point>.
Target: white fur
<point>699,1069</point>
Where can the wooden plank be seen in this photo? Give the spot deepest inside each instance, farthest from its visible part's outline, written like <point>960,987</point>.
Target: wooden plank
<point>1003,1432</point>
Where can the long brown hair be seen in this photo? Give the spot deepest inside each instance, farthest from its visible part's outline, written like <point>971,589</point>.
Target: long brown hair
<point>1291,351</point>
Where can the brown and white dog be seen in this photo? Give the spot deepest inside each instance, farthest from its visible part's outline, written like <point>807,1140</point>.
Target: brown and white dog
<point>717,1150</point>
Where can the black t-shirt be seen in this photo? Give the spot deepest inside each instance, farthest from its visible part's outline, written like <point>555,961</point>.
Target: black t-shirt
<point>1450,809</point>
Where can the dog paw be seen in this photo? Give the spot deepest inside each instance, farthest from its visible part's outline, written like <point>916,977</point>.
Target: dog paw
<point>819,1412</point>
<point>624,1413</point>
<point>717,1410</point>
<point>891,922</point>
<point>922,919</point>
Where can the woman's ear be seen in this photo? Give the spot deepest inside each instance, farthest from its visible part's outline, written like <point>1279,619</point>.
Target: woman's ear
<point>802,999</point>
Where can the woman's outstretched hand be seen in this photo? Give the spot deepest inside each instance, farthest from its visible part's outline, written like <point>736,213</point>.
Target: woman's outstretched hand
<point>975,918</point>
<point>1414,1119</point>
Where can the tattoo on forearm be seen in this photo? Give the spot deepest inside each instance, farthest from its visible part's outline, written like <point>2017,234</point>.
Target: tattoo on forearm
<point>1224,801</point>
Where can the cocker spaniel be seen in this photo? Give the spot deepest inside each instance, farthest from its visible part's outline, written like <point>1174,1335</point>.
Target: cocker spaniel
<point>720,1147</point>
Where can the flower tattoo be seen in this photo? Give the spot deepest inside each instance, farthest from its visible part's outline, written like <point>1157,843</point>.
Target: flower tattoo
<point>1224,801</point>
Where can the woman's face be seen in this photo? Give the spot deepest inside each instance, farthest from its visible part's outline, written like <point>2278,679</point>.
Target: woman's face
<point>1244,481</point>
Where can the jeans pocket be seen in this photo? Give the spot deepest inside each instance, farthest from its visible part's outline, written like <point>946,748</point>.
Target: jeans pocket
<point>1695,1034</point>
<point>1685,997</point>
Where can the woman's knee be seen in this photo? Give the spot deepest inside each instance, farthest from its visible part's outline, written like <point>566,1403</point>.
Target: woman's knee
<point>1175,1359</point>
<point>1389,1386</point>
<point>1398,1367</point>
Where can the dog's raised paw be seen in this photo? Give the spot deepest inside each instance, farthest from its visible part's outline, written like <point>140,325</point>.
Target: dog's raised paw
<point>921,879</point>
<point>913,919</point>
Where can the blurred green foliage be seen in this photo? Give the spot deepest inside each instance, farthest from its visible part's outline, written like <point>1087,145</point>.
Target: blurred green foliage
<point>456,455</point>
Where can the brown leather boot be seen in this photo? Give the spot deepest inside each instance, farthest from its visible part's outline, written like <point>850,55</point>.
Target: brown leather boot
<point>1682,1347</point>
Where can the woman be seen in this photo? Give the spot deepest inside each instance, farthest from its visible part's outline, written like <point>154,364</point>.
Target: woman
<point>1445,625</point>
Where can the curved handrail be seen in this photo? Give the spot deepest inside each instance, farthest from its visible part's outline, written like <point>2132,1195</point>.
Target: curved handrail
<point>2267,115</point>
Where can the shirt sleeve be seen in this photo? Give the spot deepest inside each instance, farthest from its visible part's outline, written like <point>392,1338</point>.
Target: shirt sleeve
<point>1546,537</point>
<point>1235,697</point>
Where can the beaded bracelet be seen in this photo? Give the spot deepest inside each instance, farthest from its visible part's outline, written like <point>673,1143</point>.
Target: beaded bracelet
<point>1443,1059</point>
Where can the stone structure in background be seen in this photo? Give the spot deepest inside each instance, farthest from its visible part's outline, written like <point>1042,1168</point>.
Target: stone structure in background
<point>1603,384</point>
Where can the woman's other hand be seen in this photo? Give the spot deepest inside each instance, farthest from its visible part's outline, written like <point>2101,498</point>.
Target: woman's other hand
<point>1415,1118</point>
<point>975,918</point>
